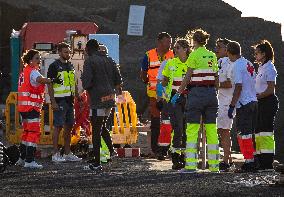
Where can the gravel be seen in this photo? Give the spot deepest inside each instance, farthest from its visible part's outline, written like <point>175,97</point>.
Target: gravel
<point>132,177</point>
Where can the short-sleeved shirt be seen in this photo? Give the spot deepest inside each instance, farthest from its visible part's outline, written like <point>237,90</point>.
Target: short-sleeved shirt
<point>244,74</point>
<point>56,67</point>
<point>266,72</point>
<point>162,66</point>
<point>202,58</point>
<point>34,75</point>
<point>225,73</point>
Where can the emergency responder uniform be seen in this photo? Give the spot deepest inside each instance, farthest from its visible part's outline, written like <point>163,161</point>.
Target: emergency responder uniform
<point>267,108</point>
<point>246,110</point>
<point>30,101</point>
<point>202,102</point>
<point>224,97</point>
<point>175,71</point>
<point>151,63</point>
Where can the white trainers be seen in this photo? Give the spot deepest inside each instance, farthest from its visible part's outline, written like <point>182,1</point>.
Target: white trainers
<point>57,158</point>
<point>20,162</point>
<point>33,165</point>
<point>71,157</point>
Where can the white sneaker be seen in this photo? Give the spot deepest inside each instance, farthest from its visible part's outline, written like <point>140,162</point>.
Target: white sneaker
<point>57,158</point>
<point>33,164</point>
<point>20,162</point>
<point>71,157</point>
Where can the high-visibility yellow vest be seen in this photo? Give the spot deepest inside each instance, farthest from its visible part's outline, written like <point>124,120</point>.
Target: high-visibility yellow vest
<point>68,86</point>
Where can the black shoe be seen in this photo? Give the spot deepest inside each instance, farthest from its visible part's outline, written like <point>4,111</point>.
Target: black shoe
<point>161,157</point>
<point>177,165</point>
<point>223,166</point>
<point>182,160</point>
<point>247,167</point>
<point>93,167</point>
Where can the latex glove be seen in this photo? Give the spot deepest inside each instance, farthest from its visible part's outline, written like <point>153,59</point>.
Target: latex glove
<point>160,89</point>
<point>231,111</point>
<point>57,80</point>
<point>175,98</point>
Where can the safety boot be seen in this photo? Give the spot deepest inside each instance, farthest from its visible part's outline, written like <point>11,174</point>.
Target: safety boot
<point>176,162</point>
<point>182,159</point>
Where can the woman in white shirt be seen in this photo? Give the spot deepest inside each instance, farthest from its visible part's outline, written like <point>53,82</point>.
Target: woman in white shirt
<point>267,104</point>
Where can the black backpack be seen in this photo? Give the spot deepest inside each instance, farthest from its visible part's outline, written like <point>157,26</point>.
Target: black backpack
<point>8,156</point>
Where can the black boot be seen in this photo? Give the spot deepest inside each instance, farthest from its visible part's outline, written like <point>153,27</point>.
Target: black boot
<point>176,163</point>
<point>23,149</point>
<point>266,160</point>
<point>182,160</point>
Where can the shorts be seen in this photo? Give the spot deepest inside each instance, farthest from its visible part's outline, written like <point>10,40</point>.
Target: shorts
<point>223,120</point>
<point>100,112</point>
<point>246,118</point>
<point>65,114</point>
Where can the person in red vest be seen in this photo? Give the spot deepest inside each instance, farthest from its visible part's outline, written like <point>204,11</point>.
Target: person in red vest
<point>149,71</point>
<point>31,87</point>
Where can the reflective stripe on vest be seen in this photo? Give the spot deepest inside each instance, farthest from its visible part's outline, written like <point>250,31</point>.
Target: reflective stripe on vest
<point>176,82</point>
<point>36,96</point>
<point>30,103</point>
<point>203,77</point>
<point>68,86</point>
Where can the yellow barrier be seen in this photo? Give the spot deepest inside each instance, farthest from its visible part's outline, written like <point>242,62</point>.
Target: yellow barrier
<point>124,130</point>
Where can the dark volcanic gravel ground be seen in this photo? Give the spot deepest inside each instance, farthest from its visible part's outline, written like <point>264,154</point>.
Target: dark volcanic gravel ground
<point>130,177</point>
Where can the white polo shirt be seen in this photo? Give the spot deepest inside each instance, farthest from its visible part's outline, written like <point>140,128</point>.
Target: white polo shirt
<point>225,73</point>
<point>244,73</point>
<point>266,72</point>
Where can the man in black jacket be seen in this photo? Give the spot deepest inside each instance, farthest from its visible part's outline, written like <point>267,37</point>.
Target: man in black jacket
<point>102,80</point>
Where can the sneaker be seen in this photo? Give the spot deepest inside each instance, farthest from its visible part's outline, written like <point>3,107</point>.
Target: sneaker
<point>93,167</point>
<point>20,162</point>
<point>71,157</point>
<point>33,165</point>
<point>57,158</point>
<point>187,171</point>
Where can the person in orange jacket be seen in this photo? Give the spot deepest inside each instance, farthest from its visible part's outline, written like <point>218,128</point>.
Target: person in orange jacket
<point>149,71</point>
<point>31,87</point>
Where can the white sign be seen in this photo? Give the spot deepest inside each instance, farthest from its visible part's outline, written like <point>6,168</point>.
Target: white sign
<point>136,20</point>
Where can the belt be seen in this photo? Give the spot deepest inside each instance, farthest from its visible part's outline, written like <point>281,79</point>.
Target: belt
<point>202,86</point>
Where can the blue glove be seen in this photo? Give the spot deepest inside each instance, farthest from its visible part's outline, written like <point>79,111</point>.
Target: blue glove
<point>230,111</point>
<point>175,98</point>
<point>160,89</point>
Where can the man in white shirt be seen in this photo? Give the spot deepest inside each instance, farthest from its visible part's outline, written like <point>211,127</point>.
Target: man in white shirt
<point>245,101</point>
<point>224,123</point>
